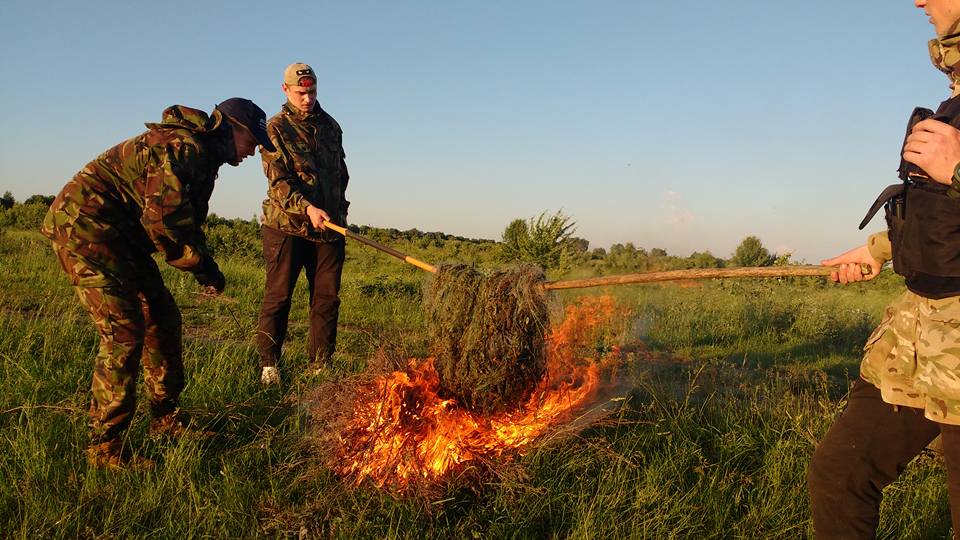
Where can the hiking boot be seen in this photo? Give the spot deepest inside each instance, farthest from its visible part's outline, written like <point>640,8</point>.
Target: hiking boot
<point>269,375</point>
<point>173,425</point>
<point>111,455</point>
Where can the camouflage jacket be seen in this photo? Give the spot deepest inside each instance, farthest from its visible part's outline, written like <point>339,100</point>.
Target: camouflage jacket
<point>148,193</point>
<point>307,168</point>
<point>913,356</point>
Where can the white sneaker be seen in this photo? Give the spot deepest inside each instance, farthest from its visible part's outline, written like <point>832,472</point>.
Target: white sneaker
<point>270,375</point>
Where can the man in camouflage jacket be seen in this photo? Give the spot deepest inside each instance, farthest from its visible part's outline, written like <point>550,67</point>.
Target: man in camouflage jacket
<point>147,194</point>
<point>306,185</point>
<point>908,392</point>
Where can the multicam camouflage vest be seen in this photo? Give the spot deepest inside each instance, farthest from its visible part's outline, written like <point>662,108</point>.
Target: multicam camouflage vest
<point>307,168</point>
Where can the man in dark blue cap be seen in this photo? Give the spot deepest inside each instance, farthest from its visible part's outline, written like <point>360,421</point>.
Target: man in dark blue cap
<point>147,194</point>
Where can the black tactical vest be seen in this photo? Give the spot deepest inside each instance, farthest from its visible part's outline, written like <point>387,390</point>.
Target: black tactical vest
<point>924,221</point>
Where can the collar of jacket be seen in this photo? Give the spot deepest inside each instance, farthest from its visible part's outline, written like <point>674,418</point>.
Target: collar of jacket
<point>295,112</point>
<point>945,53</point>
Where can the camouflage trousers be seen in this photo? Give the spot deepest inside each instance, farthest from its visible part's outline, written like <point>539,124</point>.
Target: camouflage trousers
<point>138,322</point>
<point>913,356</point>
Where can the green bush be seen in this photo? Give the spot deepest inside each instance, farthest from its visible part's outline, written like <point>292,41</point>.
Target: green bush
<point>23,216</point>
<point>233,237</point>
<point>546,241</point>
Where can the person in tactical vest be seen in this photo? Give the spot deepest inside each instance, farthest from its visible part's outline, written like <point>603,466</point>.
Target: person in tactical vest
<point>908,391</point>
<point>147,194</point>
<point>306,186</point>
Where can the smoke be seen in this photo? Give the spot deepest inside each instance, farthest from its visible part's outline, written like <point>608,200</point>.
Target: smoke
<point>677,214</point>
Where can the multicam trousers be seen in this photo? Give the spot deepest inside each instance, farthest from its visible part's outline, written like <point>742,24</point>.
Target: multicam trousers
<point>138,322</point>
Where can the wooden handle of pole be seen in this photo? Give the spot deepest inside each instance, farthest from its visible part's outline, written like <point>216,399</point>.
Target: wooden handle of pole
<point>347,233</point>
<point>647,277</point>
<point>697,273</point>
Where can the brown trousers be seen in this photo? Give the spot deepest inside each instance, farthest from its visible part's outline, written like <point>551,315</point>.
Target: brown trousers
<point>285,256</point>
<point>866,449</point>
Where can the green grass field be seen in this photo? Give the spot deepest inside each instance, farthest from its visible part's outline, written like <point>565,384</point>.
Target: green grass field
<point>737,382</point>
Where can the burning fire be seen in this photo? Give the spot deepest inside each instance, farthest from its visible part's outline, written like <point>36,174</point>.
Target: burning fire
<point>402,431</point>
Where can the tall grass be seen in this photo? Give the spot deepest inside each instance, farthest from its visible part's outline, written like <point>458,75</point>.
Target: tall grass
<point>729,386</point>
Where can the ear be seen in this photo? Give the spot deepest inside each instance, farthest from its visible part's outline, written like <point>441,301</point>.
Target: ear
<point>217,118</point>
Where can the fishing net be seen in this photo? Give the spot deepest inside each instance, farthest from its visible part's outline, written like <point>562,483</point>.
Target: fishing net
<point>487,332</point>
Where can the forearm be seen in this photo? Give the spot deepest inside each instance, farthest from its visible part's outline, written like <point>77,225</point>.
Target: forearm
<point>288,197</point>
<point>177,236</point>
<point>284,187</point>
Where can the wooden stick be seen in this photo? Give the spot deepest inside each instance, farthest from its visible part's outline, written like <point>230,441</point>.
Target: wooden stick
<point>646,277</point>
<point>347,233</point>
<point>695,273</point>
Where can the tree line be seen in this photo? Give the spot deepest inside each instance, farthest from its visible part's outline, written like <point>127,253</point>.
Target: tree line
<point>547,240</point>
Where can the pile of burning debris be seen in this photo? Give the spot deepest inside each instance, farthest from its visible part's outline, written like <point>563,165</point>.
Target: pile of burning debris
<point>402,431</point>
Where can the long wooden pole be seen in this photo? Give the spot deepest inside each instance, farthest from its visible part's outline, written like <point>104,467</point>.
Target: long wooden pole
<point>347,233</point>
<point>695,273</point>
<point>625,279</point>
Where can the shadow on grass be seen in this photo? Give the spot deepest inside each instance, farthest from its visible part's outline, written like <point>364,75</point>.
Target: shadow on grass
<point>837,354</point>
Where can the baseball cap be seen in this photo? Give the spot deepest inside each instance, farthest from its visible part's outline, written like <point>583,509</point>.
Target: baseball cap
<point>299,74</point>
<point>249,115</point>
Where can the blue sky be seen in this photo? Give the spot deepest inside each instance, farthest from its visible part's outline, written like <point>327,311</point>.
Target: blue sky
<point>685,125</point>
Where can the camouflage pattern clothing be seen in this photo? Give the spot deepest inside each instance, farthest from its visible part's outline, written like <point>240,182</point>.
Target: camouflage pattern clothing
<point>913,356</point>
<point>146,194</point>
<point>149,193</point>
<point>137,321</point>
<point>945,54</point>
<point>307,168</point>
<point>911,361</point>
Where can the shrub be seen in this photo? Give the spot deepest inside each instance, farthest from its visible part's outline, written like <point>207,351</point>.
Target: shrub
<point>23,216</point>
<point>233,237</point>
<point>545,240</point>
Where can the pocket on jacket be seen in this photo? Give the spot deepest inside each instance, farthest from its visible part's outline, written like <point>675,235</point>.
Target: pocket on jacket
<point>890,351</point>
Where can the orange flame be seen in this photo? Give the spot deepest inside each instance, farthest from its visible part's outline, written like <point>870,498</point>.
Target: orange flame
<point>402,430</point>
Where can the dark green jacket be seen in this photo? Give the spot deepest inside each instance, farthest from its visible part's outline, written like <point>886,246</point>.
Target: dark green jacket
<point>307,168</point>
<point>149,193</point>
